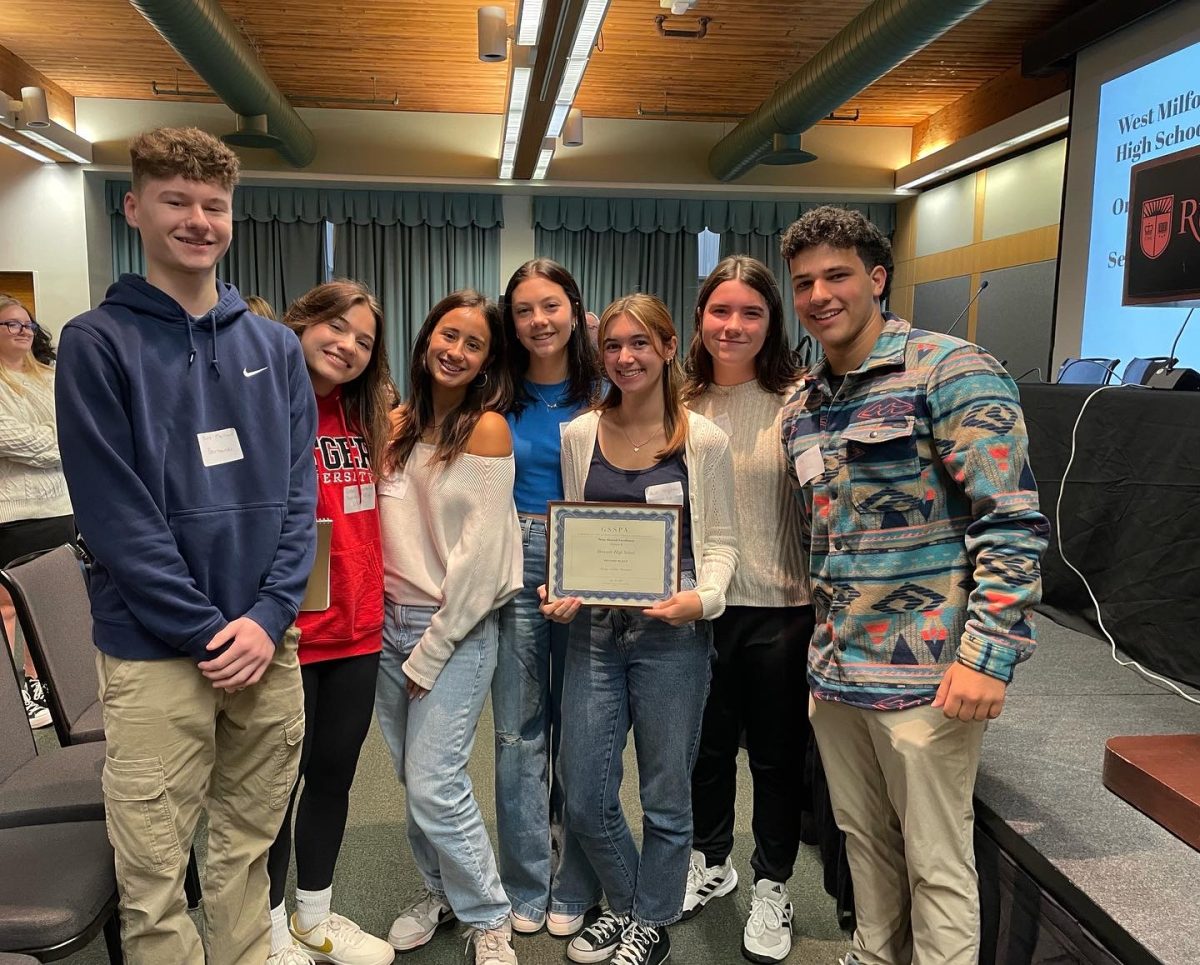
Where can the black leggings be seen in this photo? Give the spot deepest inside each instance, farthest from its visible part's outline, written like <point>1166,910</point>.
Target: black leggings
<point>339,696</point>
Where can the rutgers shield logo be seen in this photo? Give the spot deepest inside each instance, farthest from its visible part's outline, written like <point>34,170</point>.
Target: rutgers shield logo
<point>1156,225</point>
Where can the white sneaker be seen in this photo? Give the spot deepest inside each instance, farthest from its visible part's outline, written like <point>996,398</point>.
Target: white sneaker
<point>292,955</point>
<point>562,924</point>
<point>705,883</point>
<point>767,936</point>
<point>338,940</point>
<point>522,925</point>
<point>417,923</point>
<point>492,947</point>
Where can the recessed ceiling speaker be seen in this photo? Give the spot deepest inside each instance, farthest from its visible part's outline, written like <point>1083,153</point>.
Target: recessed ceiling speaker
<point>33,107</point>
<point>252,132</point>
<point>785,149</point>
<point>572,132</point>
<point>493,34</point>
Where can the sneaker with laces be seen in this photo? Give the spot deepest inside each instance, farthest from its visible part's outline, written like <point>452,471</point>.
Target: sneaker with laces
<point>292,955</point>
<point>38,714</point>
<point>492,947</point>
<point>642,945</point>
<point>599,940</point>
<point>705,883</point>
<point>338,940</point>
<point>767,936</point>
<point>417,923</point>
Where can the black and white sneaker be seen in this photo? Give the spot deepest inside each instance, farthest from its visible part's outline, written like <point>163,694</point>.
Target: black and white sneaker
<point>37,712</point>
<point>599,940</point>
<point>705,883</point>
<point>643,945</point>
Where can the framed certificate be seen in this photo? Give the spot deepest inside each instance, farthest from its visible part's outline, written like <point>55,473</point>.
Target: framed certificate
<point>613,554</point>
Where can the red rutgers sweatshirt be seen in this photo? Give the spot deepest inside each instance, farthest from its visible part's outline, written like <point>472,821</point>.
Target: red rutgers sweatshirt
<point>353,624</point>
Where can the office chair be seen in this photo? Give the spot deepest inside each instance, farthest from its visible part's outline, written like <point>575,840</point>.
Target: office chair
<point>1139,370</point>
<point>1091,371</point>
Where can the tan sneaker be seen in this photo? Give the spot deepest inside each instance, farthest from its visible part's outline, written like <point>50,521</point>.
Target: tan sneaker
<point>339,941</point>
<point>493,947</point>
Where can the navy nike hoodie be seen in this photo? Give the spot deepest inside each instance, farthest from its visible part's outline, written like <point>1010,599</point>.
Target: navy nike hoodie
<point>189,531</point>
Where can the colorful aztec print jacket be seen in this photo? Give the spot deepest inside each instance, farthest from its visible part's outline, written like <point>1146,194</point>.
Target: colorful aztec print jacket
<point>921,515</point>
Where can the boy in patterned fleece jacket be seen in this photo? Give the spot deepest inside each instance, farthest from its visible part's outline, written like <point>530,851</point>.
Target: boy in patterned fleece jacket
<point>924,540</point>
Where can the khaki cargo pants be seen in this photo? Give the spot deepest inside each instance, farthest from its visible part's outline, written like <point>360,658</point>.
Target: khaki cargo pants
<point>177,744</point>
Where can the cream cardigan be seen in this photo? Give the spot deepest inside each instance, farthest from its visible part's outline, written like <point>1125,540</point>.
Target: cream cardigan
<point>31,478</point>
<point>710,491</point>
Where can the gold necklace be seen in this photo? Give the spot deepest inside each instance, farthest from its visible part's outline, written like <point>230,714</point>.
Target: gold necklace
<point>637,447</point>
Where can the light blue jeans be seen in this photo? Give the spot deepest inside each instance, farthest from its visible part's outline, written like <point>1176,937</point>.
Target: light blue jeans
<point>626,670</point>
<point>534,844</point>
<point>430,740</point>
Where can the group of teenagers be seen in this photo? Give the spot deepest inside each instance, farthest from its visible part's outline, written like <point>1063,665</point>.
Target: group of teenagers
<point>860,549</point>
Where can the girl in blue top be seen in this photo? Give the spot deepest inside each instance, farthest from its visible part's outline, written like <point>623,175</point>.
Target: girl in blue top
<point>554,376</point>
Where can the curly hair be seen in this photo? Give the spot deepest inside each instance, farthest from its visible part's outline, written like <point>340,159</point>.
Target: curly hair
<point>186,152</point>
<point>840,228</point>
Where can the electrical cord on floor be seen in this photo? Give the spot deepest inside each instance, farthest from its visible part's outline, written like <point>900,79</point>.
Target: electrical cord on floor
<point>1148,674</point>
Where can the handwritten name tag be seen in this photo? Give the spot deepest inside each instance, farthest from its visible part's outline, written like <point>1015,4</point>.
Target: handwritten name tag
<point>671,492</point>
<point>809,464</point>
<point>219,447</point>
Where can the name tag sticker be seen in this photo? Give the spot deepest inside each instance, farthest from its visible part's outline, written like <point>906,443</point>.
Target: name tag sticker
<point>396,487</point>
<point>809,464</point>
<point>562,430</point>
<point>219,447</point>
<point>351,501</point>
<point>671,493</point>
<point>723,423</point>
<point>366,496</point>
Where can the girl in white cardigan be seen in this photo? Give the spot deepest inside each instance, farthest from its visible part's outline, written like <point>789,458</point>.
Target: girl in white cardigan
<point>35,511</point>
<point>646,669</point>
<point>451,559</point>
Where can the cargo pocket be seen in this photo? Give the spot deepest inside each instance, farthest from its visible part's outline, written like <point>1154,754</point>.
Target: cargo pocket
<point>287,761</point>
<point>138,814</point>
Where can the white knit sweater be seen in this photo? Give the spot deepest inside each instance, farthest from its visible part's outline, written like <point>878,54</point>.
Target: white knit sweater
<point>710,494</point>
<point>31,480</point>
<point>450,540</point>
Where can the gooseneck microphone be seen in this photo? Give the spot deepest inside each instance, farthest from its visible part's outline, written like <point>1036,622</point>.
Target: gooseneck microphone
<point>982,285</point>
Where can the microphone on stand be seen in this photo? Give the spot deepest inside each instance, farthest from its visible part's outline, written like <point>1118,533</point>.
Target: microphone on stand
<point>982,285</point>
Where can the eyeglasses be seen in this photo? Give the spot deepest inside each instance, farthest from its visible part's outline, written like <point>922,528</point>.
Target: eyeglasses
<point>16,328</point>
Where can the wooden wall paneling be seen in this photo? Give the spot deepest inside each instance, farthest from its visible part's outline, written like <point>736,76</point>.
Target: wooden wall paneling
<point>19,284</point>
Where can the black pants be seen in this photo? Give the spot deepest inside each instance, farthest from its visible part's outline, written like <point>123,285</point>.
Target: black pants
<point>339,696</point>
<point>759,685</point>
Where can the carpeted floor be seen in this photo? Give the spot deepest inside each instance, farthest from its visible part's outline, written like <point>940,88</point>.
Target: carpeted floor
<point>376,873</point>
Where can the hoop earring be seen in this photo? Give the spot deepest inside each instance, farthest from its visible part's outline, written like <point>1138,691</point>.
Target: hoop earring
<point>480,385</point>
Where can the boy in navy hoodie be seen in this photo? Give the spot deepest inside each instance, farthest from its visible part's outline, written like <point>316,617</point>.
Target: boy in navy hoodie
<point>186,425</point>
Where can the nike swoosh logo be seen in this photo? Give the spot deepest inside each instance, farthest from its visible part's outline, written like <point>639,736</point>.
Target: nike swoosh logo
<point>324,948</point>
<point>248,373</point>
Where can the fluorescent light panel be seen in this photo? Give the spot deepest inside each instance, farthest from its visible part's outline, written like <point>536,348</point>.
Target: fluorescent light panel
<point>558,117</point>
<point>26,150</point>
<point>62,141</point>
<point>543,163</point>
<point>990,152</point>
<point>528,21</point>
<point>589,27</point>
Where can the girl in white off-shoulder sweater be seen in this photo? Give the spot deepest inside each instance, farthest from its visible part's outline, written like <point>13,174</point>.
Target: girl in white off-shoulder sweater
<point>644,669</point>
<point>451,559</point>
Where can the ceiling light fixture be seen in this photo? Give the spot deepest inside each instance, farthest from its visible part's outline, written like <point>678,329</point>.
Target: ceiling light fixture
<point>61,141</point>
<point>25,149</point>
<point>514,115</point>
<point>529,20</point>
<point>586,32</point>
<point>572,132</point>
<point>543,161</point>
<point>972,160</point>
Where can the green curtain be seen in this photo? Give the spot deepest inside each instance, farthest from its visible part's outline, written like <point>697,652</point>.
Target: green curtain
<point>609,264</point>
<point>410,268</point>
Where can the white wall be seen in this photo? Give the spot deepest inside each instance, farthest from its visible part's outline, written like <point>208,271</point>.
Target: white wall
<point>42,230</point>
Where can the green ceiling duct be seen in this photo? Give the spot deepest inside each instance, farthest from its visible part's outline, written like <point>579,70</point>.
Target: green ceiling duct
<point>204,36</point>
<point>884,35</point>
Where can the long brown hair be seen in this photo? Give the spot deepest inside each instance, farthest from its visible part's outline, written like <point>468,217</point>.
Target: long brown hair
<point>655,319</point>
<point>775,365</point>
<point>489,393</point>
<point>367,398</point>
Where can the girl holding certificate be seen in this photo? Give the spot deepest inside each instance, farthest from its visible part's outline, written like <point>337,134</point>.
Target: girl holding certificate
<point>340,329</point>
<point>740,374</point>
<point>645,669</point>
<point>553,374</point>
<point>452,559</point>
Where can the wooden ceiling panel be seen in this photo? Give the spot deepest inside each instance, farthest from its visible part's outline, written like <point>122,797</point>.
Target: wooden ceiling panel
<point>424,54</point>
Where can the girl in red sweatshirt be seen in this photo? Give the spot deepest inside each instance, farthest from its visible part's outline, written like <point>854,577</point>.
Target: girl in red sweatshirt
<point>340,329</point>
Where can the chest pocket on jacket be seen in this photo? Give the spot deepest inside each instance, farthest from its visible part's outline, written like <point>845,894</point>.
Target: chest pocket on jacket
<point>883,466</point>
